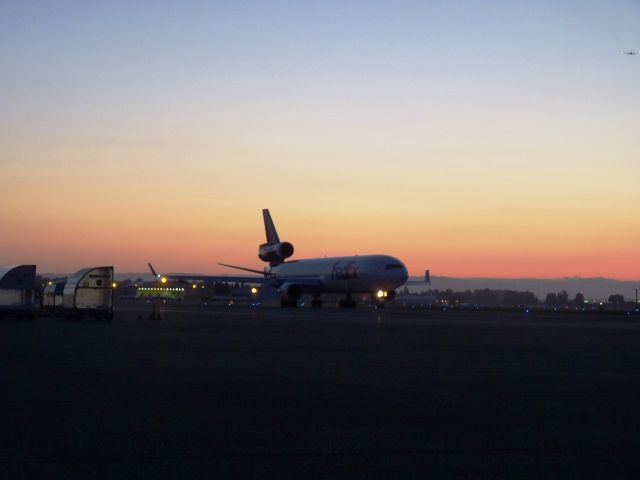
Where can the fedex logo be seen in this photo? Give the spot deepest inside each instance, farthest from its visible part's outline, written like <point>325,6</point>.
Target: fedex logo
<point>348,271</point>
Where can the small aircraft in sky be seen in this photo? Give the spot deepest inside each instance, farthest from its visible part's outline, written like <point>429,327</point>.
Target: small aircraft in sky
<point>630,53</point>
<point>378,275</point>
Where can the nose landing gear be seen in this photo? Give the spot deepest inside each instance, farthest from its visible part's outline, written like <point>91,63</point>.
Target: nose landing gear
<point>381,297</point>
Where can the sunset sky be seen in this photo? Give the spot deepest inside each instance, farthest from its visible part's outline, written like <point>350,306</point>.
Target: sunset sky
<point>473,138</point>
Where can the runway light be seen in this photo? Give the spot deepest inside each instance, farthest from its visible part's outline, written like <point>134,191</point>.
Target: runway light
<point>254,290</point>
<point>163,279</point>
<point>194,286</point>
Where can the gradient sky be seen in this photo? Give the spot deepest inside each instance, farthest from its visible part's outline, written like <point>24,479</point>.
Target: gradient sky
<point>474,138</point>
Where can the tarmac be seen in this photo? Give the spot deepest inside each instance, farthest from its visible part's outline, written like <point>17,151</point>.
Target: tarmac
<point>228,392</point>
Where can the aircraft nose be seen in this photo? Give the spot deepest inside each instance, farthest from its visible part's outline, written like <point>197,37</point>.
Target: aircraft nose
<point>404,273</point>
<point>401,274</point>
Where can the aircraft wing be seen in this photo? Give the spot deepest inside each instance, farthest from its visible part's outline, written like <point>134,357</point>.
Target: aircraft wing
<point>253,280</point>
<point>222,278</point>
<point>308,283</point>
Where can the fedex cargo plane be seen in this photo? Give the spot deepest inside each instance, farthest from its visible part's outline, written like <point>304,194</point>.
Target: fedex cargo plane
<point>378,275</point>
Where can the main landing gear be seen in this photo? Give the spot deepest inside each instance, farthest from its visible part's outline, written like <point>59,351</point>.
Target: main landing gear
<point>291,303</point>
<point>347,302</point>
<point>380,303</point>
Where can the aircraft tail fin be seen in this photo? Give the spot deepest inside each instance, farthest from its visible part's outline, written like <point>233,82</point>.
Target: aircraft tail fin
<point>269,227</point>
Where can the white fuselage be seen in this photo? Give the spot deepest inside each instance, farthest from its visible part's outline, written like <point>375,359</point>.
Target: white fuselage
<point>355,274</point>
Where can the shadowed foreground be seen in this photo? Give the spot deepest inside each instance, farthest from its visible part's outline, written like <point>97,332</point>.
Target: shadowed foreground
<point>302,393</point>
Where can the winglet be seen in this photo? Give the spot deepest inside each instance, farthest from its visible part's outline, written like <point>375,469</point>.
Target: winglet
<point>153,271</point>
<point>269,228</point>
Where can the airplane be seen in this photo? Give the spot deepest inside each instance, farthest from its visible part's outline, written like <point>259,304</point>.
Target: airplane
<point>377,275</point>
<point>630,52</point>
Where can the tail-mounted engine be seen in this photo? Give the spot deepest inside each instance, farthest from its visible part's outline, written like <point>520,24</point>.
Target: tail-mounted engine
<point>275,253</point>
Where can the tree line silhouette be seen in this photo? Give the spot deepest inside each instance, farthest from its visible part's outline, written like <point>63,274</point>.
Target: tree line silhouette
<point>491,297</point>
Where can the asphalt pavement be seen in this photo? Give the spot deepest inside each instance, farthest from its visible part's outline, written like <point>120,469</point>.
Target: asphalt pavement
<point>228,392</point>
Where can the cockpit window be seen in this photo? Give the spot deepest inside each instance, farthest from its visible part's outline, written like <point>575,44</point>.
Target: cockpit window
<point>391,266</point>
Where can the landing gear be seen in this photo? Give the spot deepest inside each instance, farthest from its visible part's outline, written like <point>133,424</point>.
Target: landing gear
<point>288,303</point>
<point>347,302</point>
<point>316,303</point>
<point>381,297</point>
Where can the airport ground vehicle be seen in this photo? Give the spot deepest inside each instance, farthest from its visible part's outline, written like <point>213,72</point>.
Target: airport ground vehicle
<point>89,292</point>
<point>17,285</point>
<point>52,296</point>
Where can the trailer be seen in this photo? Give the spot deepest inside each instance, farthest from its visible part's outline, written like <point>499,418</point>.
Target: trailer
<point>89,292</point>
<point>52,296</point>
<point>17,285</point>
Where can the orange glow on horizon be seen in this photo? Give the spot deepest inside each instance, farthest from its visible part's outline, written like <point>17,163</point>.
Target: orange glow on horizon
<point>473,211</point>
<point>468,249</point>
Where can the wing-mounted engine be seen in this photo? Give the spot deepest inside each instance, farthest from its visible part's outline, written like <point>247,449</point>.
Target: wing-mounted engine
<point>291,291</point>
<point>275,253</point>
